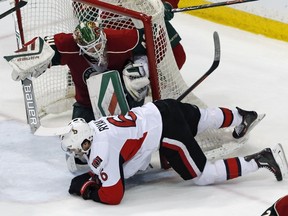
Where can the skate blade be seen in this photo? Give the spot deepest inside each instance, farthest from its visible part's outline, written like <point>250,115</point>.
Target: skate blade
<point>256,122</point>
<point>279,155</point>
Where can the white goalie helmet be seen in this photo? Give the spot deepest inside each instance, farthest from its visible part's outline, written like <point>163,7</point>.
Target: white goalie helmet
<point>80,132</point>
<point>91,39</point>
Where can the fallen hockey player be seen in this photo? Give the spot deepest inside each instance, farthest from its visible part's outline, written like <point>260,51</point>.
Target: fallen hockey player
<point>117,147</point>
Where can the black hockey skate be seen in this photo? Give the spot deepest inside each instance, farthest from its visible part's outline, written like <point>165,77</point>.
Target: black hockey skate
<point>248,119</point>
<point>266,159</point>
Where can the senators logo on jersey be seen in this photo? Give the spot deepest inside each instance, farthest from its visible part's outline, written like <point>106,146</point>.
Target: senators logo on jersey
<point>96,162</point>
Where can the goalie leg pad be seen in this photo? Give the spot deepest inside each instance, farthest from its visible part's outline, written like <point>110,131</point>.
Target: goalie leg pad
<point>106,94</point>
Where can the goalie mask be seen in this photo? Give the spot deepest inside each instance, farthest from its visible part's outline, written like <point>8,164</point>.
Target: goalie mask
<point>74,141</point>
<point>91,39</point>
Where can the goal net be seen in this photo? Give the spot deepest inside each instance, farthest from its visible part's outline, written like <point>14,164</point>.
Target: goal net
<point>54,90</point>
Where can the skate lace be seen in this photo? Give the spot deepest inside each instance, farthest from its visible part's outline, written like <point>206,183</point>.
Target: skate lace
<point>270,168</point>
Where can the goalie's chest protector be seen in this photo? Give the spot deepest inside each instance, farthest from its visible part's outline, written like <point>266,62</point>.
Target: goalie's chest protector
<point>119,51</point>
<point>131,138</point>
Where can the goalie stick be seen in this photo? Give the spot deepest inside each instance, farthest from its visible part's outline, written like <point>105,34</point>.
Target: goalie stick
<point>32,114</point>
<point>217,4</point>
<point>214,65</point>
<point>19,5</point>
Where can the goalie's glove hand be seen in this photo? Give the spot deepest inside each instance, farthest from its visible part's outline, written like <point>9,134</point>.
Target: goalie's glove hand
<point>32,60</point>
<point>136,78</point>
<point>168,14</point>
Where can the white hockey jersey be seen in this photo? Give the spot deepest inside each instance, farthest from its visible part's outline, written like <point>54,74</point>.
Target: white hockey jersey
<point>126,141</point>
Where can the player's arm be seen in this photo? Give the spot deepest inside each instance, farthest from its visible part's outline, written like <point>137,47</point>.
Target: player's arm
<point>56,60</point>
<point>111,195</point>
<point>31,60</point>
<point>90,187</point>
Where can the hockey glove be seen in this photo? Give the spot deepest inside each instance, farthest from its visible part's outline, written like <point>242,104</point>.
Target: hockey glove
<point>168,14</point>
<point>90,187</point>
<point>32,60</point>
<point>135,76</point>
<point>77,183</point>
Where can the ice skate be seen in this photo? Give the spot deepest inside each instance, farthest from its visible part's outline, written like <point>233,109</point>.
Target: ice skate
<point>272,159</point>
<point>249,118</point>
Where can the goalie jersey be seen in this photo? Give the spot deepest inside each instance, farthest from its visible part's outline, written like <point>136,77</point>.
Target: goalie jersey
<point>115,157</point>
<point>119,51</point>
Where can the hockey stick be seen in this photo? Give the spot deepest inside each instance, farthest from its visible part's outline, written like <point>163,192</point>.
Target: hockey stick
<point>32,114</point>
<point>19,5</point>
<point>217,4</point>
<point>214,65</point>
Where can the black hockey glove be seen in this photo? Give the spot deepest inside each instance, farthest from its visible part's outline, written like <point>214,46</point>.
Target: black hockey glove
<point>77,183</point>
<point>90,189</point>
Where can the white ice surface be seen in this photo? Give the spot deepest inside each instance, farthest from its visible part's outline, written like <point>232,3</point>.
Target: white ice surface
<point>253,74</point>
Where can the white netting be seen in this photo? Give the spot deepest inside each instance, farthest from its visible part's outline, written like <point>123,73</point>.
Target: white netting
<point>47,17</point>
<point>54,90</point>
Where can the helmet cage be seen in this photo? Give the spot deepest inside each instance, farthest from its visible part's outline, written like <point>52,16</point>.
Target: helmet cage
<point>91,40</point>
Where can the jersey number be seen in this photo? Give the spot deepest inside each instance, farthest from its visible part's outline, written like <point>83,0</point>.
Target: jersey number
<point>122,121</point>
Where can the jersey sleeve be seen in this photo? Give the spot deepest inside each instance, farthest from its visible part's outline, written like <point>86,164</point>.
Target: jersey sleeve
<point>111,195</point>
<point>65,45</point>
<point>110,173</point>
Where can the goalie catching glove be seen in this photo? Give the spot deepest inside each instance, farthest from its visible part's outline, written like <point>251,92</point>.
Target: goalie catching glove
<point>136,78</point>
<point>32,60</point>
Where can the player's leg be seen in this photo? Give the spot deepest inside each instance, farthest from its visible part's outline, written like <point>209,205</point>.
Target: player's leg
<point>178,145</point>
<point>189,162</point>
<point>222,170</point>
<point>200,120</point>
<point>214,118</point>
<point>186,158</point>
